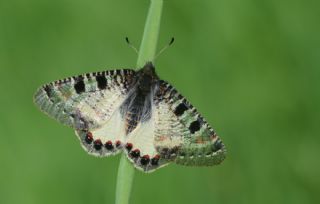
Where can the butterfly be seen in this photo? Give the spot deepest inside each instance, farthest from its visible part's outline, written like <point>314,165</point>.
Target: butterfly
<point>134,112</point>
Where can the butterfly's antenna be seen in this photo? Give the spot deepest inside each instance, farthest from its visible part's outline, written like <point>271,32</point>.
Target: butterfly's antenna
<point>130,45</point>
<point>165,47</point>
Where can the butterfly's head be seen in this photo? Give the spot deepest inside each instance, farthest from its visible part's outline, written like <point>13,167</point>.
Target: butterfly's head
<point>147,76</point>
<point>148,69</point>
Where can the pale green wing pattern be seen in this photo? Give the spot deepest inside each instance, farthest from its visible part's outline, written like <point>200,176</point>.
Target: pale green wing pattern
<point>90,104</point>
<point>182,134</point>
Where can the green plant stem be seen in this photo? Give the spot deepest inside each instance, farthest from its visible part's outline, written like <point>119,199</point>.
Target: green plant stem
<point>124,180</point>
<point>146,54</point>
<point>149,41</point>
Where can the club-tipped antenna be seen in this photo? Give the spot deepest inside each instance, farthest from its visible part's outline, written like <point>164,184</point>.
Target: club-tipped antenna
<point>130,45</point>
<point>165,47</point>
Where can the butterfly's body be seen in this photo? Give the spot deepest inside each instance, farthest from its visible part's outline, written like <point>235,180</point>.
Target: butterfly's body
<point>132,111</point>
<point>138,105</point>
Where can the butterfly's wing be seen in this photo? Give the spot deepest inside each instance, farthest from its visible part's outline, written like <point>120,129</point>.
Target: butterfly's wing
<point>174,132</point>
<point>182,134</point>
<point>90,104</point>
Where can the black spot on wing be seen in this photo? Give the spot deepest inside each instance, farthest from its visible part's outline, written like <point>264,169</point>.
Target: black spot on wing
<point>79,86</point>
<point>217,145</point>
<point>173,92</point>
<point>180,109</point>
<point>48,90</point>
<point>179,96</point>
<point>66,80</point>
<point>97,144</point>
<point>102,81</point>
<point>194,126</point>
<point>88,75</point>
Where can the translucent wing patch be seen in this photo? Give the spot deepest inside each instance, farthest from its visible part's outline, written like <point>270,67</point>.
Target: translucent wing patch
<point>90,104</point>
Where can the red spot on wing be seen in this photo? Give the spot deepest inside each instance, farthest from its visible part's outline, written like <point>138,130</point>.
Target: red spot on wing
<point>145,159</point>
<point>108,145</point>
<point>162,138</point>
<point>97,144</point>
<point>89,138</point>
<point>98,141</point>
<point>118,143</point>
<point>129,146</point>
<point>146,156</point>
<point>212,137</point>
<point>155,160</point>
<point>135,153</point>
<point>157,156</point>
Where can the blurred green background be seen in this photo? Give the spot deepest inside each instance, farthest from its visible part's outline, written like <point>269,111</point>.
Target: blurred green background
<point>250,67</point>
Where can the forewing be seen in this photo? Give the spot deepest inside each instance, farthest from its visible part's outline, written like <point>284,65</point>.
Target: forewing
<point>90,104</point>
<point>181,133</point>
